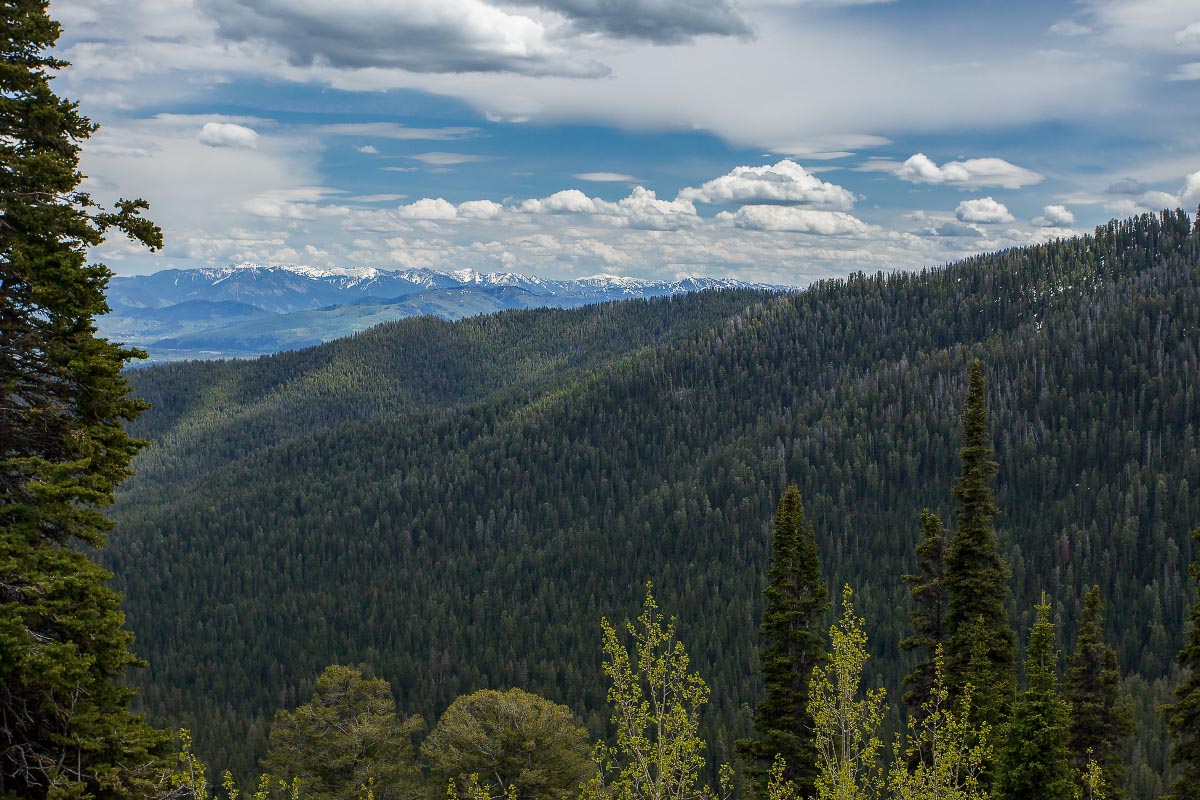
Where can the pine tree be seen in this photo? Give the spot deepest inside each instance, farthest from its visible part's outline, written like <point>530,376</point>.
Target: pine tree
<point>65,727</point>
<point>976,578</point>
<point>1100,720</point>
<point>1185,713</point>
<point>1035,762</point>
<point>928,614</point>
<point>796,600</point>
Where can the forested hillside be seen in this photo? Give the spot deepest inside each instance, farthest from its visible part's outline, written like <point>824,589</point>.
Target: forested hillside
<point>457,504</point>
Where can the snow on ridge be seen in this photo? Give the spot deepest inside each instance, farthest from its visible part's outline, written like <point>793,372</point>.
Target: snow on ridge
<point>348,277</point>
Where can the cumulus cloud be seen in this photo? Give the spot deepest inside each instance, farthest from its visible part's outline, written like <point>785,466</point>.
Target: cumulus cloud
<point>642,209</point>
<point>784,183</point>
<point>1054,217</point>
<point>969,173</point>
<point>480,209</point>
<point>794,220</point>
<point>366,148</point>
<point>228,134</point>
<point>658,21</point>
<point>956,230</point>
<point>422,36</point>
<point>428,209</point>
<point>568,201</point>
<point>984,210</point>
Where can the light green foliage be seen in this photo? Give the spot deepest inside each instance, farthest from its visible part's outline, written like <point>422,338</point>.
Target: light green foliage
<point>846,722</point>
<point>472,788</point>
<point>509,743</point>
<point>656,701</point>
<point>347,738</point>
<point>188,780</point>
<point>778,786</point>
<point>1093,784</point>
<point>943,756</point>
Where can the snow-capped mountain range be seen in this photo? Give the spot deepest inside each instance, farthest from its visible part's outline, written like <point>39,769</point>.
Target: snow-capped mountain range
<point>250,309</point>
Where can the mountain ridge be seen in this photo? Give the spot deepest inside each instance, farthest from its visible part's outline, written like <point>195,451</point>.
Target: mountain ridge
<point>142,306</point>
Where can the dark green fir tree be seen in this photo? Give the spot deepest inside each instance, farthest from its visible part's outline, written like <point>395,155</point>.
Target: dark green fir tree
<point>1034,759</point>
<point>1185,713</point>
<point>976,578</point>
<point>928,590</point>
<point>796,601</point>
<point>1101,720</point>
<point>65,725</point>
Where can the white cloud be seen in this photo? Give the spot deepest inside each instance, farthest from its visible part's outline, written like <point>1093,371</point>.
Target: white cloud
<point>785,182</point>
<point>568,201</point>
<point>417,36</point>
<point>1189,36</point>
<point>394,130</point>
<point>1054,217</point>
<point>831,146</point>
<point>969,173</point>
<point>985,211</point>
<point>228,134</point>
<point>1187,72</point>
<point>448,159</point>
<point>794,220</point>
<point>1070,27</point>
<point>480,209</point>
<point>428,209</point>
<point>366,148</point>
<point>606,177</point>
<point>642,209</point>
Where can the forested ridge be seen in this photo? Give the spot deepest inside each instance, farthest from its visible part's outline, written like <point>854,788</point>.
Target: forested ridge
<point>457,504</point>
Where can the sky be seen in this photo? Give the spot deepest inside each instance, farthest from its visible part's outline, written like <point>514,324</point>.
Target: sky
<point>780,141</point>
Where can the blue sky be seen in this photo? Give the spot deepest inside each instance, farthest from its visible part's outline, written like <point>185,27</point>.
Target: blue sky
<point>771,140</point>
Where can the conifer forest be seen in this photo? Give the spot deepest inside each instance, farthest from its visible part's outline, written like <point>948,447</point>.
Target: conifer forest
<point>924,535</point>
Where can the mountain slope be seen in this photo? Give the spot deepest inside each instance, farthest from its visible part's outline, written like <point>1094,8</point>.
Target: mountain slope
<point>458,504</point>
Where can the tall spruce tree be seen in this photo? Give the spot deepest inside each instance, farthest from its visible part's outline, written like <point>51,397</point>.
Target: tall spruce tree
<point>65,726</point>
<point>796,600</point>
<point>1100,720</point>
<point>976,578</point>
<point>928,612</point>
<point>1034,760</point>
<point>1185,713</point>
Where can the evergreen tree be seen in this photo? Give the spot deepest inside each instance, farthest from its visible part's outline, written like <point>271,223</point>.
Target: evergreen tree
<point>1100,719</point>
<point>1185,713</point>
<point>796,599</point>
<point>65,727</point>
<point>1034,760</point>
<point>976,579</point>
<point>928,613</point>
